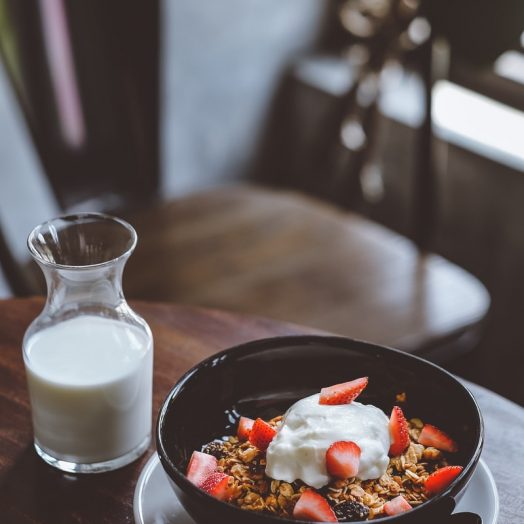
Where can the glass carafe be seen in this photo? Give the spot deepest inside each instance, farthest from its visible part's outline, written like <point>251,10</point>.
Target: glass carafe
<point>88,356</point>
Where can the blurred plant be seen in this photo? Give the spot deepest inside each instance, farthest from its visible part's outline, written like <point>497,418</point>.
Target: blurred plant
<point>381,32</point>
<point>377,33</point>
<point>364,18</point>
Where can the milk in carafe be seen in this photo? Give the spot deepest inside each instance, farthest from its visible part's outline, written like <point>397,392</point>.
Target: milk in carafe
<point>90,383</point>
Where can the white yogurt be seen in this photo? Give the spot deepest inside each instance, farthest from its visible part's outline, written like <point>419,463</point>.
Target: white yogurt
<point>298,450</point>
<point>90,384</point>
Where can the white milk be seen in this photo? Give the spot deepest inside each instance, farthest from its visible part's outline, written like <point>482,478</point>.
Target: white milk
<point>90,383</point>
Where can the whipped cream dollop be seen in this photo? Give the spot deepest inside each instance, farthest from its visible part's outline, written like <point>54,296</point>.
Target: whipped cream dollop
<point>308,428</point>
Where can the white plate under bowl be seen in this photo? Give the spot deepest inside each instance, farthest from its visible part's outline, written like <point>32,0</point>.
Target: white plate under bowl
<point>156,503</point>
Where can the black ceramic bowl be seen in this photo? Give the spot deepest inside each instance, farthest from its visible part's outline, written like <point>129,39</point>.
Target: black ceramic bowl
<point>264,377</point>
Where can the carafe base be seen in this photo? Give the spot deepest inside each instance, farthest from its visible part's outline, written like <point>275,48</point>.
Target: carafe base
<point>95,467</point>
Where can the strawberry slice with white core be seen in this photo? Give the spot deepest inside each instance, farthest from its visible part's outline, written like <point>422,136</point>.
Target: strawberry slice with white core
<point>200,467</point>
<point>439,480</point>
<point>343,459</point>
<point>343,393</point>
<point>217,485</point>
<point>245,425</point>
<point>313,507</point>
<point>399,432</point>
<point>435,437</point>
<point>397,505</point>
<point>261,434</point>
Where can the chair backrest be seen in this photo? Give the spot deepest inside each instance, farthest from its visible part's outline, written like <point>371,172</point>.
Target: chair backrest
<point>25,195</point>
<point>5,287</point>
<point>79,115</point>
<point>86,75</point>
<point>12,278</point>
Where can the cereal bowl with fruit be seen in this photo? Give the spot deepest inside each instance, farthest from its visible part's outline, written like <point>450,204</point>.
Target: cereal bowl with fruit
<point>318,429</point>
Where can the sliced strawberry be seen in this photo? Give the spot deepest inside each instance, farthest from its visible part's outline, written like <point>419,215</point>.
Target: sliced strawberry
<point>439,480</point>
<point>343,393</point>
<point>200,466</point>
<point>216,485</point>
<point>244,428</point>
<point>314,507</point>
<point>343,459</point>
<point>397,505</point>
<point>399,432</point>
<point>261,434</point>
<point>432,436</point>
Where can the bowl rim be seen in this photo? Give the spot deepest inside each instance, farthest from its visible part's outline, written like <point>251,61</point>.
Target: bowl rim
<point>268,343</point>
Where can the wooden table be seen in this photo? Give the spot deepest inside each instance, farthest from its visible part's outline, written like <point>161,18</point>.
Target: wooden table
<point>31,491</point>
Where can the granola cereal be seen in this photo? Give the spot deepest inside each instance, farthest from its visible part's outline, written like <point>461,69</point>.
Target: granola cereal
<point>417,468</point>
<point>252,490</point>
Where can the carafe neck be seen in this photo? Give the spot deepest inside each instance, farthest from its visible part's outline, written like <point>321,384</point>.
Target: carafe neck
<point>75,289</point>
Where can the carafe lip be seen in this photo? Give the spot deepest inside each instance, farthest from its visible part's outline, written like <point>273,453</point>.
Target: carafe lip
<point>78,217</point>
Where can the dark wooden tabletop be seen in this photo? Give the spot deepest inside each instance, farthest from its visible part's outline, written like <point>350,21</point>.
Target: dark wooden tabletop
<point>31,491</point>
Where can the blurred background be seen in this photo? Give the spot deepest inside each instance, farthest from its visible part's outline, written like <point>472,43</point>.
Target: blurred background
<point>354,165</point>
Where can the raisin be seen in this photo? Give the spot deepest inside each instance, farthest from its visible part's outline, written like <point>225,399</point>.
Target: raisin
<point>351,511</point>
<point>296,485</point>
<point>255,467</point>
<point>214,448</point>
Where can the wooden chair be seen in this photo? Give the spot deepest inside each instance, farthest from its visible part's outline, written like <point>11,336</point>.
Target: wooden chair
<point>288,256</point>
<point>284,255</point>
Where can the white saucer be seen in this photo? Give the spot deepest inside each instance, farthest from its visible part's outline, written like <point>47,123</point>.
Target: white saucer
<point>156,503</point>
